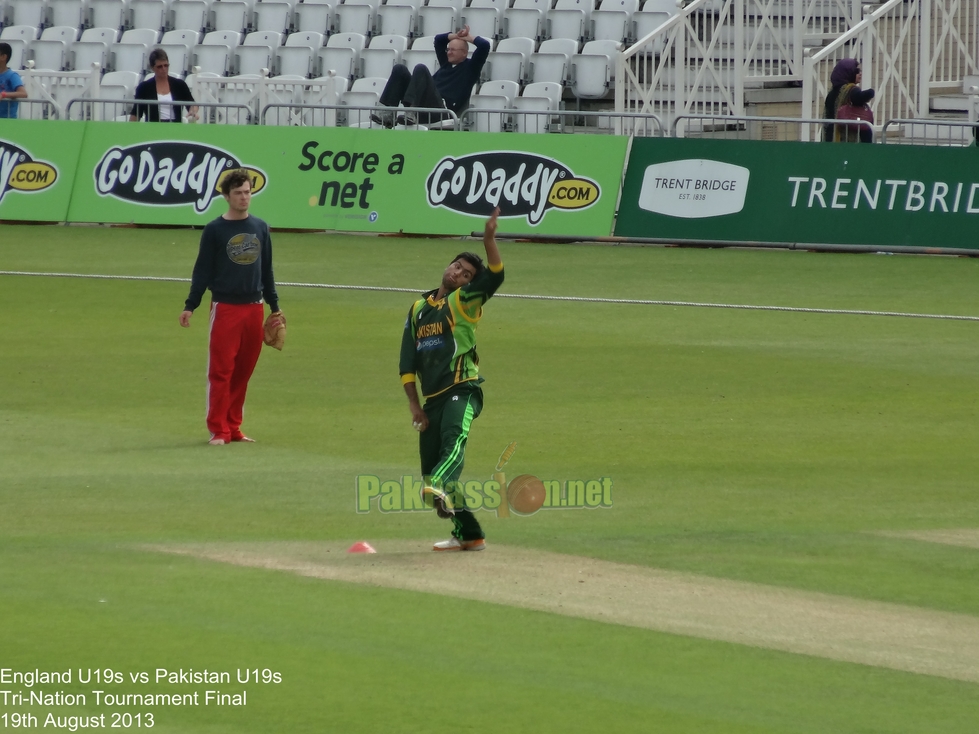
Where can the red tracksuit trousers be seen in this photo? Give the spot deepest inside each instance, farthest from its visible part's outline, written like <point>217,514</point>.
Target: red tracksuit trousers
<point>234,347</point>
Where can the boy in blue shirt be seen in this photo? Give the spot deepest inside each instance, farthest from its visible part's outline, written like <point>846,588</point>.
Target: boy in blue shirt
<point>11,85</point>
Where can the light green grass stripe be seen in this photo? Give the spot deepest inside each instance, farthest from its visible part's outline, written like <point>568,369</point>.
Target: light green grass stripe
<point>533,297</point>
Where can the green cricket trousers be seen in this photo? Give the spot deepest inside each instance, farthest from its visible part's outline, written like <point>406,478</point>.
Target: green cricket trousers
<point>442,447</point>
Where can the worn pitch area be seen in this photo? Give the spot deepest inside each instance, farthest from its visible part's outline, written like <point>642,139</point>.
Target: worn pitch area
<point>893,636</point>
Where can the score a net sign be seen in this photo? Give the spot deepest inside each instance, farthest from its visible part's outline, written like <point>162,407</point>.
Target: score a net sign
<point>694,188</point>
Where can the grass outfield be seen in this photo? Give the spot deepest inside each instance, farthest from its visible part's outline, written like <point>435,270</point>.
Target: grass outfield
<point>763,450</point>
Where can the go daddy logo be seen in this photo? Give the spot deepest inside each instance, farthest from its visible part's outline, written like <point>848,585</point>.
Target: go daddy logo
<point>20,172</point>
<point>521,184</point>
<point>169,173</point>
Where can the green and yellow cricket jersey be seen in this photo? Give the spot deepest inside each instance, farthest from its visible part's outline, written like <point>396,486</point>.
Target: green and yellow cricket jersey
<point>439,341</point>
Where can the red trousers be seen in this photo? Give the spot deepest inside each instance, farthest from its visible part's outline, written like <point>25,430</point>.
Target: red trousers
<point>233,350</point>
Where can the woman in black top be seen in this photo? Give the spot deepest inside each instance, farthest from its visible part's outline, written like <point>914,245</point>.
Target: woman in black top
<point>163,88</point>
<point>846,78</point>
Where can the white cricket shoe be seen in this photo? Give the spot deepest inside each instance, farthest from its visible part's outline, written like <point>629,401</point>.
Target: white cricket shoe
<point>454,544</point>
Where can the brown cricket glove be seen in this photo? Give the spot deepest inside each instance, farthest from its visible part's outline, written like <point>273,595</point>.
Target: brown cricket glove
<point>275,330</point>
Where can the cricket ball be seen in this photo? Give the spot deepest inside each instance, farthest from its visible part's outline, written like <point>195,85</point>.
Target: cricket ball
<point>526,494</point>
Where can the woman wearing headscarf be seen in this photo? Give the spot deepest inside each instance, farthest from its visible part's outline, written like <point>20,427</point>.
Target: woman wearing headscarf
<point>846,90</point>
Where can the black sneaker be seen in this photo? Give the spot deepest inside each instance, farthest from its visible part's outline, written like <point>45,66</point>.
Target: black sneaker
<point>385,119</point>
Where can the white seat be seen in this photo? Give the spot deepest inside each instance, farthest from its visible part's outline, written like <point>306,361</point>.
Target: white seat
<point>130,57</point>
<point>106,13</point>
<point>645,22</point>
<point>51,51</point>
<point>493,121</point>
<point>538,97</point>
<point>191,14</point>
<point>439,16</point>
<point>503,88</point>
<point>66,13</point>
<point>552,62</point>
<point>256,52</point>
<point>19,32</point>
<point>397,18</point>
<point>214,53</point>
<point>181,57</point>
<point>362,100</point>
<point>19,53</point>
<point>613,20</point>
<point>570,19</point>
<point>229,15</point>
<point>354,16</point>
<point>126,80</point>
<point>422,51</point>
<point>27,12</point>
<point>153,14</point>
<point>314,16</point>
<point>511,60</point>
<point>381,55</point>
<point>525,22</point>
<point>273,16</point>
<point>593,69</point>
<point>296,57</point>
<point>147,36</point>
<point>85,53</point>
<point>483,18</point>
<point>342,54</point>
<point>284,90</point>
<point>329,92</point>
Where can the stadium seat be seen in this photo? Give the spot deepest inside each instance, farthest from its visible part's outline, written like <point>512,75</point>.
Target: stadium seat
<point>106,14</point>
<point>228,15</point>
<point>342,54</point>
<point>493,119</point>
<point>422,51</point>
<point>537,97</point>
<point>314,16</point>
<point>118,85</point>
<point>381,55</point>
<point>214,53</point>
<point>613,20</point>
<point>570,19</point>
<point>179,45</point>
<point>150,14</point>
<point>257,52</point>
<point>51,50</point>
<point>27,12</point>
<point>190,14</point>
<point>93,47</point>
<point>355,16</point>
<point>296,58</point>
<point>483,18</point>
<point>239,90</point>
<point>439,16</point>
<point>552,62</point>
<point>273,16</point>
<point>526,19</point>
<point>644,22</point>
<point>66,13</point>
<point>505,89</point>
<point>511,60</point>
<point>593,70</point>
<point>19,54</point>
<point>325,91</point>
<point>397,18</point>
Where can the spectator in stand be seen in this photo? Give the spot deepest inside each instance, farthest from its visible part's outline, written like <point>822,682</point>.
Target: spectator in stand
<point>11,85</point>
<point>847,94</point>
<point>450,87</point>
<point>162,88</point>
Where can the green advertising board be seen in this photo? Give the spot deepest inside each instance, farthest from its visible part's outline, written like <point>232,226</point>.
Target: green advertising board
<point>817,193</point>
<point>37,168</point>
<point>352,179</point>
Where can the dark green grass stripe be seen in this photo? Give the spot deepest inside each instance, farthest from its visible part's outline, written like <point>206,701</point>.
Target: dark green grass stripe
<point>532,297</point>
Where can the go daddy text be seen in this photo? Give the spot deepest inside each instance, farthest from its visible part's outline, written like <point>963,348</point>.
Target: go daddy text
<point>404,495</point>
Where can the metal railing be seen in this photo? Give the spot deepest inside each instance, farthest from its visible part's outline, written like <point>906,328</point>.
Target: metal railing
<point>510,119</point>
<point>930,132</point>
<point>419,118</point>
<point>36,109</point>
<point>747,127</point>
<point>121,110</point>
